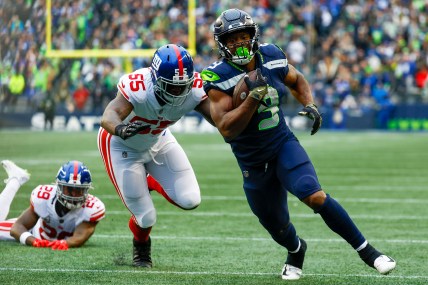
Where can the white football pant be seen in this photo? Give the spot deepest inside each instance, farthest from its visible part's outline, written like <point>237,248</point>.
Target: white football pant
<point>166,162</point>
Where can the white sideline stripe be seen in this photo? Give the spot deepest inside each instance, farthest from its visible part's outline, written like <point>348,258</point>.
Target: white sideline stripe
<point>205,273</point>
<point>304,216</point>
<point>402,241</point>
<point>294,199</point>
<point>341,188</point>
<point>248,214</point>
<point>291,199</point>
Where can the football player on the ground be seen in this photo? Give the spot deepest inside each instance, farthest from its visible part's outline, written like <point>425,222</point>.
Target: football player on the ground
<point>60,215</point>
<point>134,140</point>
<point>271,159</point>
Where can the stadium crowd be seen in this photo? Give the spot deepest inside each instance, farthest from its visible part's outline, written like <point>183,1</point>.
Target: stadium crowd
<point>358,56</point>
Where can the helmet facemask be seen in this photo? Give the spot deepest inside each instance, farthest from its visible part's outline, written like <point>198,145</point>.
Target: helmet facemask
<point>244,51</point>
<point>233,21</point>
<point>174,92</point>
<point>73,184</point>
<point>72,197</point>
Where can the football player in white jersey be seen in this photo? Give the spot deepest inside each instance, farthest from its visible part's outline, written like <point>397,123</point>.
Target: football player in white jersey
<point>60,215</point>
<point>134,140</point>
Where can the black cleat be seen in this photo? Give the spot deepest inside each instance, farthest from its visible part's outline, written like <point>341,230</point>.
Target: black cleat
<point>142,254</point>
<point>292,269</point>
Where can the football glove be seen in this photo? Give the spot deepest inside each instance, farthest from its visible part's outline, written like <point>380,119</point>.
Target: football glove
<point>131,129</point>
<point>258,88</point>
<point>41,243</point>
<point>59,245</point>
<point>311,111</point>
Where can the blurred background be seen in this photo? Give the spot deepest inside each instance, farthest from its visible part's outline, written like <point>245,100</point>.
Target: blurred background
<point>366,61</point>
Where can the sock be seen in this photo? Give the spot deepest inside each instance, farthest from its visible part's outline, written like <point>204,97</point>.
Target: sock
<point>6,197</point>
<point>369,254</point>
<point>140,234</point>
<point>338,220</point>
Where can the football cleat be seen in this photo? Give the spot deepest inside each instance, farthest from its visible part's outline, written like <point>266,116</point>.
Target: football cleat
<point>292,269</point>
<point>142,254</point>
<point>373,258</point>
<point>14,171</point>
<point>289,272</point>
<point>384,264</point>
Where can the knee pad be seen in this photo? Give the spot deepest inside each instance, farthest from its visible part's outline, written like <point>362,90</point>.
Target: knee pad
<point>189,201</point>
<point>146,219</point>
<point>305,185</point>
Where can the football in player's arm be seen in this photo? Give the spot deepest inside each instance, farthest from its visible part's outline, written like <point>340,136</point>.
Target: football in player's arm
<point>60,216</point>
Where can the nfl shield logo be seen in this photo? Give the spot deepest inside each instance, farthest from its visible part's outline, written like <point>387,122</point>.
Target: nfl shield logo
<point>245,173</point>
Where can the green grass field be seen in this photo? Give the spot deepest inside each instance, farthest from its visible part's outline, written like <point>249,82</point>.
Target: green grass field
<point>380,178</point>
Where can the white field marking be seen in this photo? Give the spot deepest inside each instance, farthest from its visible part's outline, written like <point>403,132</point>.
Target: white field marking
<point>268,239</point>
<point>290,199</point>
<point>369,188</point>
<point>248,214</point>
<point>294,199</point>
<point>145,272</point>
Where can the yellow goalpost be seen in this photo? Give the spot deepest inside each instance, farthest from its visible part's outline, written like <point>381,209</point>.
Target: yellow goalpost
<point>81,53</point>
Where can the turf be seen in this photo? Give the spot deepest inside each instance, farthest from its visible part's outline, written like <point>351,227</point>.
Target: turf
<point>380,178</point>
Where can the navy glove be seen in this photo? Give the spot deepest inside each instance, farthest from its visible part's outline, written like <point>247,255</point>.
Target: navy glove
<point>311,111</point>
<point>258,88</point>
<point>131,129</point>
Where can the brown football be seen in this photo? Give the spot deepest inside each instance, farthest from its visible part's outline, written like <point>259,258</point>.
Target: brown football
<point>240,93</point>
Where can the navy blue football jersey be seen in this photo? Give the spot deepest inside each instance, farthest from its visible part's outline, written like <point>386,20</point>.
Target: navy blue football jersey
<point>266,131</point>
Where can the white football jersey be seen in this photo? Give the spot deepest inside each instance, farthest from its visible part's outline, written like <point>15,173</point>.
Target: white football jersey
<point>50,226</point>
<point>138,88</point>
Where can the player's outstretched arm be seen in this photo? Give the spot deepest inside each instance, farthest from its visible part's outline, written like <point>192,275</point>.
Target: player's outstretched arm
<point>81,234</point>
<point>300,89</point>
<point>20,229</point>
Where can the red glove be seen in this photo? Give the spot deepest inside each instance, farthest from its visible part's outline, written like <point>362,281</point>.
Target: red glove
<point>41,243</point>
<point>59,245</point>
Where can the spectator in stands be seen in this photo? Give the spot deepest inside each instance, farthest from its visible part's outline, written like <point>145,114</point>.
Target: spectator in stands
<point>48,107</point>
<point>372,37</point>
<point>421,80</point>
<point>80,96</point>
<point>16,87</point>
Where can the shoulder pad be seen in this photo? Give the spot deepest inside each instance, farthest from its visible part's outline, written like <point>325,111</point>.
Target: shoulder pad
<point>94,209</point>
<point>41,198</point>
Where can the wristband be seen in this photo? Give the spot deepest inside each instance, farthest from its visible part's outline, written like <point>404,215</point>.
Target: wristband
<point>23,237</point>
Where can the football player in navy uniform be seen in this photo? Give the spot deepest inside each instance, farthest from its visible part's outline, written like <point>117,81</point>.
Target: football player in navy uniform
<point>271,158</point>
<point>60,215</point>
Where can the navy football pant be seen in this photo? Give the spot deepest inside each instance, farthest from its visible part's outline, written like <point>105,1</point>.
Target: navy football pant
<point>266,189</point>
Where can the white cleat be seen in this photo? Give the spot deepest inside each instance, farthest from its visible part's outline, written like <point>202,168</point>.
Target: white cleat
<point>384,264</point>
<point>290,272</point>
<point>14,171</point>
